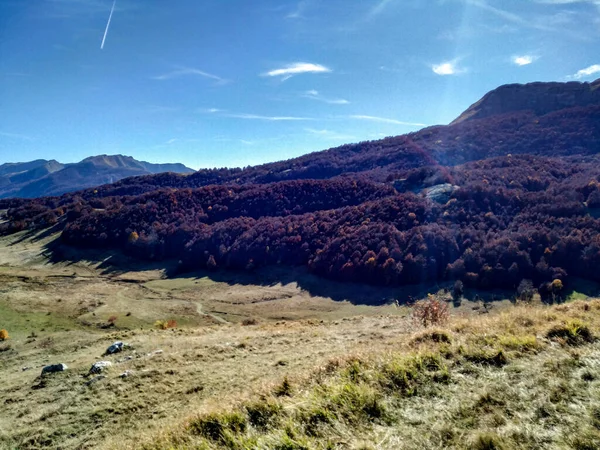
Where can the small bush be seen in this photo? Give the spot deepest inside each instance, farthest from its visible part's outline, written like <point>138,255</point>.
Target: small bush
<point>284,389</point>
<point>437,336</point>
<point>525,291</point>
<point>519,343</point>
<point>4,335</point>
<point>262,413</point>
<point>571,333</point>
<point>165,324</point>
<point>248,322</point>
<point>486,358</point>
<point>488,441</point>
<point>431,311</point>
<point>216,426</point>
<point>458,289</point>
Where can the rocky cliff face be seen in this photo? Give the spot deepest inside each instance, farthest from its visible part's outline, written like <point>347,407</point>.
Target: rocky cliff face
<point>541,98</point>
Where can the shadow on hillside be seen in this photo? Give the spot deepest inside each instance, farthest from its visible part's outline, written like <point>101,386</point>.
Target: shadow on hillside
<point>112,263</point>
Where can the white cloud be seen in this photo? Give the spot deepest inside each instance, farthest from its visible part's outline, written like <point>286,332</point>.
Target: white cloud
<point>447,68</point>
<point>588,71</point>
<point>314,95</point>
<point>523,60</point>
<point>296,69</point>
<point>21,137</point>
<point>384,120</point>
<point>186,71</point>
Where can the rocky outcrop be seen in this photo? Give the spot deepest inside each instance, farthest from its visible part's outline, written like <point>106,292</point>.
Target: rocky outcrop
<point>117,347</point>
<point>99,367</point>
<point>54,368</point>
<point>541,98</point>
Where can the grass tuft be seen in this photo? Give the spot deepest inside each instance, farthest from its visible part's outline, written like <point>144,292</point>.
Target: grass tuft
<point>218,426</point>
<point>573,332</point>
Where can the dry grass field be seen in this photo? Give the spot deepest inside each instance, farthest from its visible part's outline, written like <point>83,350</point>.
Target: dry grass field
<point>279,361</point>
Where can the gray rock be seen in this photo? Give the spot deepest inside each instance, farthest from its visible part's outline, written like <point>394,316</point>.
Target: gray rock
<point>54,368</point>
<point>440,193</point>
<point>115,348</point>
<point>100,366</point>
<point>126,374</point>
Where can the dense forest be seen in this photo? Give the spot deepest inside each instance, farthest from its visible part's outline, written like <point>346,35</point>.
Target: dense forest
<point>489,201</point>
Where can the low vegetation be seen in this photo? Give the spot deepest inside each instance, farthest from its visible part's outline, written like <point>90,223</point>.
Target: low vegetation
<point>496,382</point>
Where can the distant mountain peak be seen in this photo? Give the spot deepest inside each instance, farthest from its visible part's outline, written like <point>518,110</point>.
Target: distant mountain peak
<point>43,178</point>
<point>539,97</point>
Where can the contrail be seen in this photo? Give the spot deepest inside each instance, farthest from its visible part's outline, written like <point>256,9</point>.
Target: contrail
<point>108,24</point>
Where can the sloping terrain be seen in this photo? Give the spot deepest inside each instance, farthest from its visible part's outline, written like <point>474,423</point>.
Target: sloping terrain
<point>298,372</point>
<point>489,202</point>
<point>42,178</point>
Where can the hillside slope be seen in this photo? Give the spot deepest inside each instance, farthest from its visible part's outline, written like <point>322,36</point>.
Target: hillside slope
<point>489,202</point>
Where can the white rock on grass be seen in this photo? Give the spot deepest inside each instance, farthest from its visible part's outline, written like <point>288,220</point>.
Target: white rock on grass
<point>126,374</point>
<point>100,366</point>
<point>54,368</point>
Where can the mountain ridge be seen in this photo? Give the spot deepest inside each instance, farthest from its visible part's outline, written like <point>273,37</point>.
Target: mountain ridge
<point>49,177</point>
<point>539,97</point>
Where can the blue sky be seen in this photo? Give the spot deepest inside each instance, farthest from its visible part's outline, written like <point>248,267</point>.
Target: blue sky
<point>215,83</point>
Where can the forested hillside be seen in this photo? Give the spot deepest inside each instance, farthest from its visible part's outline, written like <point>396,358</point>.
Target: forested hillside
<point>490,201</point>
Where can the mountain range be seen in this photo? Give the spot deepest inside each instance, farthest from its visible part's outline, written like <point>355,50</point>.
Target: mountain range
<point>508,192</point>
<point>43,178</point>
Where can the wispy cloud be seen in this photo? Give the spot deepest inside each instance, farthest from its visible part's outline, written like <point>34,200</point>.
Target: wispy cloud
<point>587,72</point>
<point>379,7</point>
<point>21,137</point>
<point>296,69</point>
<point>330,135</point>
<point>507,15</point>
<point>447,68</point>
<point>568,2</point>
<point>546,22</point>
<point>385,120</point>
<point>266,118</point>
<point>314,95</point>
<point>188,71</point>
<point>523,60</point>
<point>298,13</point>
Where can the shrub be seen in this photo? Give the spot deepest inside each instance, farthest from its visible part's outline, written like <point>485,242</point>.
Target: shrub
<point>165,324</point>
<point>458,289</point>
<point>437,336</point>
<point>216,426</point>
<point>3,335</point>
<point>572,333</point>
<point>431,311</point>
<point>486,358</point>
<point>248,322</point>
<point>262,413</point>
<point>525,290</point>
<point>488,441</point>
<point>284,389</point>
